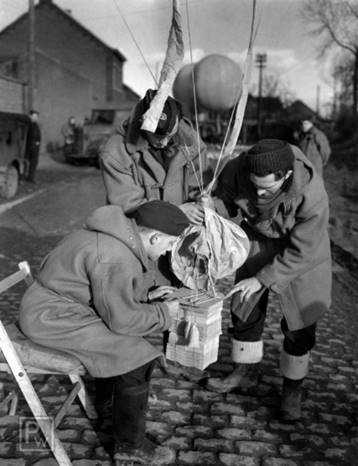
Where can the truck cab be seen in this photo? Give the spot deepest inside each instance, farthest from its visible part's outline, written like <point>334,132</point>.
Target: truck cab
<point>96,131</point>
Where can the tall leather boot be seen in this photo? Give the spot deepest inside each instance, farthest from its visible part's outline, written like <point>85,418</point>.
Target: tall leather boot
<point>294,369</point>
<point>104,397</point>
<point>246,356</point>
<point>129,413</point>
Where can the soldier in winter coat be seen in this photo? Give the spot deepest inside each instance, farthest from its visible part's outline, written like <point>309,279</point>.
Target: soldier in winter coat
<point>33,144</point>
<point>282,205</point>
<point>94,297</point>
<point>138,165</point>
<point>314,144</point>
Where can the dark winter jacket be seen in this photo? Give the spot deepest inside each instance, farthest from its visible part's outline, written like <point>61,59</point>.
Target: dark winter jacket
<point>290,247</point>
<point>33,137</point>
<point>133,175</point>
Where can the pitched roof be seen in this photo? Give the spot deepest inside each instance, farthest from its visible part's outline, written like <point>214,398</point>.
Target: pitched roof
<point>300,110</point>
<point>49,4</point>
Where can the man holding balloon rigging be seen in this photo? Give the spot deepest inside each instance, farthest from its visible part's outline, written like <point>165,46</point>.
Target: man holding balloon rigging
<point>139,165</point>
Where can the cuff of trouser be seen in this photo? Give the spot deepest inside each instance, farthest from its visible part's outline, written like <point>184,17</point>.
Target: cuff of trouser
<point>294,367</point>
<point>247,352</point>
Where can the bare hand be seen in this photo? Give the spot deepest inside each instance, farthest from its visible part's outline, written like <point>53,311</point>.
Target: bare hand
<point>207,201</point>
<point>194,212</point>
<point>161,292</point>
<point>246,288</point>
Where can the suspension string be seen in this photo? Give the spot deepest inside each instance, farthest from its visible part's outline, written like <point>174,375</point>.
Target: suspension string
<point>188,159</point>
<point>136,43</point>
<point>222,150</point>
<point>240,104</point>
<point>201,186</point>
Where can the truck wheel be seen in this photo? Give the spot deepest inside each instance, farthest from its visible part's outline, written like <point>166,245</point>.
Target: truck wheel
<point>11,182</point>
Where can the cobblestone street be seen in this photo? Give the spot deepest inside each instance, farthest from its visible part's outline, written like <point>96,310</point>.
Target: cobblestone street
<point>198,427</point>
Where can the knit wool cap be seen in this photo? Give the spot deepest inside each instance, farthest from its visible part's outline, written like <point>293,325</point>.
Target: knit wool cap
<point>269,156</point>
<point>171,113</point>
<point>161,216</point>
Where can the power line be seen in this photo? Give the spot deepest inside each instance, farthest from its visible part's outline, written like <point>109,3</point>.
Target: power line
<point>261,59</point>
<point>144,10</point>
<point>135,41</point>
<point>13,6</point>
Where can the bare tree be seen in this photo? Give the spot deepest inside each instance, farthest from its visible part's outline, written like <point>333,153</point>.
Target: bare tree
<point>275,86</point>
<point>343,74</point>
<point>335,22</point>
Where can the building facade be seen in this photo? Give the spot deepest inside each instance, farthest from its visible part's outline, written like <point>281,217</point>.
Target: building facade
<point>75,71</point>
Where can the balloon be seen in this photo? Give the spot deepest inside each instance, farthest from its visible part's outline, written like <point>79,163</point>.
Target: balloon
<point>183,87</point>
<point>218,84</point>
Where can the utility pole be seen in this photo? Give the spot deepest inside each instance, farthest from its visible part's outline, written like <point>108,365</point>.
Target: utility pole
<point>334,103</point>
<point>318,100</point>
<point>261,59</point>
<point>31,57</point>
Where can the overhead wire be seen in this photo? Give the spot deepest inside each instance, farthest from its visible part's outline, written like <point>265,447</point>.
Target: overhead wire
<point>135,41</point>
<point>143,10</point>
<point>15,7</point>
<point>228,149</point>
<point>201,185</point>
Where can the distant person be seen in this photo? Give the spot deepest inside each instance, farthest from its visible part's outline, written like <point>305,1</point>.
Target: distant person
<point>32,147</point>
<point>314,144</point>
<point>69,134</point>
<point>94,298</point>
<point>283,207</point>
<point>139,166</point>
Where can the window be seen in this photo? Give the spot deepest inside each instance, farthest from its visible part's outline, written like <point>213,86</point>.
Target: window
<point>10,68</point>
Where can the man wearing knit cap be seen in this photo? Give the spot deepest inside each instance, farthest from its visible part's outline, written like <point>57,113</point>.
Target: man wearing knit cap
<point>96,299</point>
<point>139,165</point>
<point>280,201</point>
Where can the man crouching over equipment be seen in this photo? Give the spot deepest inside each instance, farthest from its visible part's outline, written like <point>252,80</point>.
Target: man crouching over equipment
<point>91,299</point>
<point>283,207</point>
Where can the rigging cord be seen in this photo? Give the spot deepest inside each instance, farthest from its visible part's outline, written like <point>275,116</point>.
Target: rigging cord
<point>241,99</point>
<point>201,185</point>
<point>136,43</point>
<point>189,159</point>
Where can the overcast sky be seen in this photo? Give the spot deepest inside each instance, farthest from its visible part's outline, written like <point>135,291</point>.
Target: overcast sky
<point>216,26</point>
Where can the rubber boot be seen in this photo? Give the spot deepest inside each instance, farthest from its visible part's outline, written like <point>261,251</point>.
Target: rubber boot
<point>129,412</point>
<point>291,399</point>
<point>244,376</point>
<point>294,369</point>
<point>104,397</point>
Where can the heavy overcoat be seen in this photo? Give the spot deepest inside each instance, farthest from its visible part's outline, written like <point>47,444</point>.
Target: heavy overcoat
<point>290,246</point>
<point>89,298</point>
<point>132,174</point>
<point>314,144</point>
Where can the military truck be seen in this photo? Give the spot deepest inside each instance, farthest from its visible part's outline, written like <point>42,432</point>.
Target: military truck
<point>95,132</point>
<point>14,128</point>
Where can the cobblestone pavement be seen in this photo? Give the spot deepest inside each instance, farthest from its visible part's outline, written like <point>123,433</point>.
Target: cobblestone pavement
<point>198,427</point>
